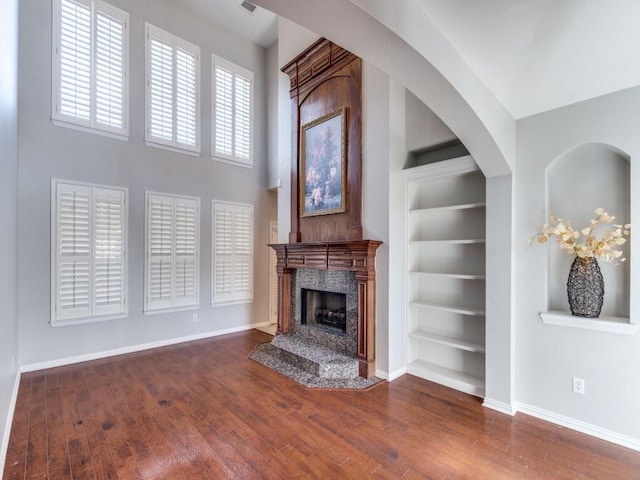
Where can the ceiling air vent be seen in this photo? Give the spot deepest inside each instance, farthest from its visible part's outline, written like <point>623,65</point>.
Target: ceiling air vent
<point>248,6</point>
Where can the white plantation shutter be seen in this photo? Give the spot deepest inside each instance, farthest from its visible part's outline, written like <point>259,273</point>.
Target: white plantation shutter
<point>173,91</point>
<point>172,273</point>
<point>242,111</point>
<point>89,242</point>
<point>159,251</point>
<point>110,74</point>
<point>108,265</point>
<point>186,245</point>
<point>75,59</point>
<point>186,97</point>
<point>223,251</point>
<point>161,91</point>
<point>243,246</point>
<point>73,252</point>
<point>91,60</point>
<point>232,112</point>
<point>223,108</point>
<point>232,252</point>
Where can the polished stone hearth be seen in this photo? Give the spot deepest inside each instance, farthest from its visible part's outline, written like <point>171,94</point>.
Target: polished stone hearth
<point>312,354</point>
<point>343,267</point>
<point>310,364</point>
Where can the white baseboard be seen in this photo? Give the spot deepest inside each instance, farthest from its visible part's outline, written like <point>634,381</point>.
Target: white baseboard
<point>7,427</point>
<point>499,406</point>
<point>134,348</point>
<point>391,376</point>
<point>382,374</point>
<point>589,429</point>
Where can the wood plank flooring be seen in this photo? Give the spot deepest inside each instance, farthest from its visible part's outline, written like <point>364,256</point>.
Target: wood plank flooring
<point>202,410</point>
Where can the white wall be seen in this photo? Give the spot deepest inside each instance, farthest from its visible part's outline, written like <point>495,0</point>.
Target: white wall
<point>377,147</point>
<point>397,279</point>
<point>547,356</point>
<point>272,78</point>
<point>424,128</point>
<point>292,40</point>
<point>399,39</point>
<point>499,328</point>
<point>8,211</point>
<point>47,151</point>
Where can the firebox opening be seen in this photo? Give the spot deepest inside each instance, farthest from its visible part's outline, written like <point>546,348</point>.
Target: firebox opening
<point>324,310</point>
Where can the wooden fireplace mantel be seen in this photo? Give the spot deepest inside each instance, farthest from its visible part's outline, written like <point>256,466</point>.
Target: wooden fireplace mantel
<point>355,255</point>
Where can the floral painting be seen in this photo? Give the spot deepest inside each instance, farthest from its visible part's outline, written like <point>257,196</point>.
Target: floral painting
<point>323,165</point>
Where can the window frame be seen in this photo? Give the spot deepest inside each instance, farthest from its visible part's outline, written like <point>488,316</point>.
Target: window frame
<point>147,309</point>
<point>236,71</point>
<point>215,302</point>
<point>91,125</point>
<point>175,42</point>
<point>53,320</point>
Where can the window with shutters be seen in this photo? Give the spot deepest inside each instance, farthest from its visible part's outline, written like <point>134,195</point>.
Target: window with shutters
<point>232,271</point>
<point>91,61</point>
<point>172,273</point>
<point>232,113</point>
<point>88,260</point>
<point>173,92</point>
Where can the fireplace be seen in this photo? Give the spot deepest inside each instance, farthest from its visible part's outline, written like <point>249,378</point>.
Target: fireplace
<point>324,310</point>
<point>345,267</point>
<point>317,291</point>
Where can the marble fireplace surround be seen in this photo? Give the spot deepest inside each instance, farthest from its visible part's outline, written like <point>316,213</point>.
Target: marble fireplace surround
<point>357,256</point>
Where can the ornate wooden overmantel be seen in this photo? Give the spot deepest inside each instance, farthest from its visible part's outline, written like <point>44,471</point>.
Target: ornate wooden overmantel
<point>325,78</point>
<point>358,256</point>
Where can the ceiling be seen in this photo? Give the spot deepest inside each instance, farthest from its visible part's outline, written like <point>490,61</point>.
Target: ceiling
<point>260,27</point>
<point>534,55</point>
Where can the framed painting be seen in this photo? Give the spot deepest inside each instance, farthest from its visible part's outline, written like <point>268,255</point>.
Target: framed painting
<point>323,165</point>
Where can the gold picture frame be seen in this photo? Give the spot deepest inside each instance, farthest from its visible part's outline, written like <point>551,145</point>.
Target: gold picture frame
<point>323,165</point>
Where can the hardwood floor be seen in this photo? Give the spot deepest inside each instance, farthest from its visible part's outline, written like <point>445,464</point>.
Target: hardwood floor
<point>202,410</point>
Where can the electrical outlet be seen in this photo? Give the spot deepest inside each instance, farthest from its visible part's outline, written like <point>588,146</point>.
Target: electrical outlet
<point>13,363</point>
<point>195,317</point>
<point>578,385</point>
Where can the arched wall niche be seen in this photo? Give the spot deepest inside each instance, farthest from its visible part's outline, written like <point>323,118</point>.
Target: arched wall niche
<point>577,182</point>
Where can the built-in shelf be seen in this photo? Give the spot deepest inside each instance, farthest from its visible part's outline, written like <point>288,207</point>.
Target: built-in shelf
<point>445,219</point>
<point>448,341</point>
<point>449,208</point>
<point>459,241</point>
<point>618,325</point>
<point>450,308</point>
<point>459,276</point>
<point>445,376</point>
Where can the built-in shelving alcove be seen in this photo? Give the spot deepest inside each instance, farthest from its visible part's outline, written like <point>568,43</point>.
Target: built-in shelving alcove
<point>445,218</point>
<point>577,182</point>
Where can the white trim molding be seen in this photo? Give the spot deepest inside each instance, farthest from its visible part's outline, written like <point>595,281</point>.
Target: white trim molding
<point>508,409</point>
<point>618,325</point>
<point>583,427</point>
<point>391,376</point>
<point>455,166</point>
<point>7,428</point>
<point>134,348</point>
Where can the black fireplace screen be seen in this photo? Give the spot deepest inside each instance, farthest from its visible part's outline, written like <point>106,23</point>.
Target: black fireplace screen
<point>324,310</point>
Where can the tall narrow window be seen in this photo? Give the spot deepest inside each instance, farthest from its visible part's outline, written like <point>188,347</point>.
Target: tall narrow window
<point>91,49</point>
<point>88,279</point>
<point>172,274</point>
<point>232,113</point>
<point>173,91</point>
<point>232,270</point>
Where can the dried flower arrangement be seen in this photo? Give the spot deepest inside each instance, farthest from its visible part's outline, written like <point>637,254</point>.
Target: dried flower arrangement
<point>584,243</point>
